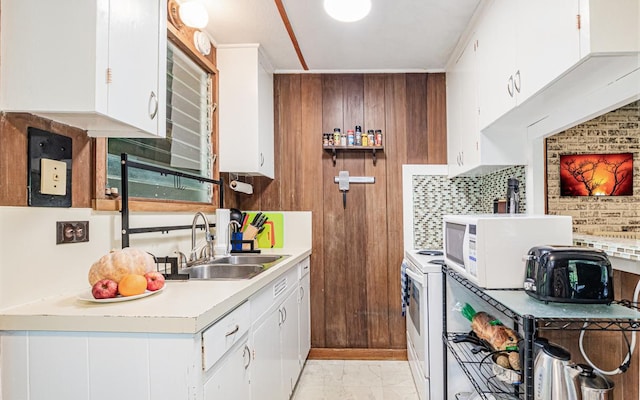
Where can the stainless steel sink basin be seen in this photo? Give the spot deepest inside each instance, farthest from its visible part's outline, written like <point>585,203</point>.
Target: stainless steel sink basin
<point>224,271</point>
<point>249,259</point>
<point>233,267</point>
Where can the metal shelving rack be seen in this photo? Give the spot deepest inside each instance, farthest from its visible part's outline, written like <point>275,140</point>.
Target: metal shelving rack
<point>531,316</point>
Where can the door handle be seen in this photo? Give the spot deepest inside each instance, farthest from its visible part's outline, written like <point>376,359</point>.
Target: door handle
<point>510,86</point>
<point>233,331</point>
<point>153,99</point>
<point>247,352</point>
<point>516,81</point>
<point>415,277</point>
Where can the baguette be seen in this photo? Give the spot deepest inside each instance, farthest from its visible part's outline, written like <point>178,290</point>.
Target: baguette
<point>498,336</point>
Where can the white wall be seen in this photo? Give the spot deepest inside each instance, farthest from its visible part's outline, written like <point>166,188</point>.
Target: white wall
<point>32,266</point>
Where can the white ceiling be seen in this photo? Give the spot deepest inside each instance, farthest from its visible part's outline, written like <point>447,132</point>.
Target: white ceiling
<point>397,35</point>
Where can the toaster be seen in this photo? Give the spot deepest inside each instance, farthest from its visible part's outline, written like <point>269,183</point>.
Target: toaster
<point>566,274</point>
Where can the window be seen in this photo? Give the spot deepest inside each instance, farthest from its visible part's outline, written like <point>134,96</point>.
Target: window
<point>187,146</point>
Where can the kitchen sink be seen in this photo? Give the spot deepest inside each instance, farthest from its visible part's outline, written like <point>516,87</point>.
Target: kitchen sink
<point>249,259</point>
<point>233,267</point>
<point>223,271</point>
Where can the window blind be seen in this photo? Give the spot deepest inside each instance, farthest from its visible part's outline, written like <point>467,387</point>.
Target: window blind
<point>187,146</point>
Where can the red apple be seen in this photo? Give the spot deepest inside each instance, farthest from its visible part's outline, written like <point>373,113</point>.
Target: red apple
<point>155,280</point>
<point>104,289</point>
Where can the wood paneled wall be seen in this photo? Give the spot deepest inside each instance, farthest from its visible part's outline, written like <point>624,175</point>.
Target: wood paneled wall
<point>607,349</point>
<point>357,250</point>
<point>14,159</point>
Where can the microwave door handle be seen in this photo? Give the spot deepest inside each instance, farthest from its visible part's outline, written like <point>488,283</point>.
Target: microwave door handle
<point>416,277</point>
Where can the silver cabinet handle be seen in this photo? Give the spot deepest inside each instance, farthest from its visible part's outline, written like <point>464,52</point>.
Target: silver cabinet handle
<point>510,86</point>
<point>301,294</point>
<point>246,351</point>
<point>285,314</point>
<point>261,159</point>
<point>153,99</point>
<point>236,329</point>
<point>281,317</point>
<point>462,158</point>
<point>516,81</point>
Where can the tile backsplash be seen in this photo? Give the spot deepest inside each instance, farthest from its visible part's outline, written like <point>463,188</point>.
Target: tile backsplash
<point>615,132</point>
<point>437,195</point>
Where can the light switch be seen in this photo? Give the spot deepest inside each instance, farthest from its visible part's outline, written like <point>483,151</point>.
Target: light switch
<point>53,177</point>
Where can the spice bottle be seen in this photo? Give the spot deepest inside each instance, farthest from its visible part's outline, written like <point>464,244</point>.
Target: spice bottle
<point>372,137</point>
<point>343,139</point>
<point>350,139</point>
<point>358,136</point>
<point>365,140</point>
<point>378,137</point>
<point>336,136</point>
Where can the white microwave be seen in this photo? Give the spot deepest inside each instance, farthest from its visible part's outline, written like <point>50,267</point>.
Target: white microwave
<point>487,249</point>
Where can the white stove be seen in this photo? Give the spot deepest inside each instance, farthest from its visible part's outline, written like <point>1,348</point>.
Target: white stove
<point>424,321</point>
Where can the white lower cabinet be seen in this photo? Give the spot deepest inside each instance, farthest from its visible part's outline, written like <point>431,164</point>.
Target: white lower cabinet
<point>230,379</point>
<point>289,339</point>
<point>275,338</point>
<point>304,313</point>
<point>256,351</point>
<point>266,373</point>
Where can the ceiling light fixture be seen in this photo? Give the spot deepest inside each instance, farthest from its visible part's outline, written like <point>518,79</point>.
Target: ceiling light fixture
<point>347,10</point>
<point>193,14</point>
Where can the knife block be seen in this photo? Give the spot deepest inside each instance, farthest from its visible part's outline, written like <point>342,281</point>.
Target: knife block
<point>248,243</point>
<point>249,234</point>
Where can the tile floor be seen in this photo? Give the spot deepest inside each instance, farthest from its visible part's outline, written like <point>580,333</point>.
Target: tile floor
<point>355,380</point>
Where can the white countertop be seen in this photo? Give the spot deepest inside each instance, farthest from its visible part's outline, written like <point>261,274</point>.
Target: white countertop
<point>182,307</point>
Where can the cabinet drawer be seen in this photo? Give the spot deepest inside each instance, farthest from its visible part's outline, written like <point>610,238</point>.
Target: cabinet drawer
<point>219,338</point>
<point>304,267</point>
<point>271,295</point>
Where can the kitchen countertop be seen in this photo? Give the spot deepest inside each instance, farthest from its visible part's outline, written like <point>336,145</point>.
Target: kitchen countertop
<point>614,247</point>
<point>182,307</point>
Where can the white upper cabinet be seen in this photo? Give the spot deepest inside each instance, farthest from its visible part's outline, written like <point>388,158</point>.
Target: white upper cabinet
<point>97,65</point>
<point>462,112</point>
<point>538,67</point>
<point>523,45</point>
<point>246,110</point>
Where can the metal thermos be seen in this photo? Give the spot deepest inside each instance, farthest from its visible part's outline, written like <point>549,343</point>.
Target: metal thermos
<point>553,375</point>
<point>594,386</point>
<point>513,196</point>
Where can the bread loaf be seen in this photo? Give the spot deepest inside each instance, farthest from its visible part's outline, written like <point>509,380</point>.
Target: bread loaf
<point>514,360</point>
<point>498,336</point>
<point>119,263</point>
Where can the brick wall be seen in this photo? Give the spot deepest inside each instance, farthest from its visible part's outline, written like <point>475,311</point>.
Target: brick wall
<point>615,132</point>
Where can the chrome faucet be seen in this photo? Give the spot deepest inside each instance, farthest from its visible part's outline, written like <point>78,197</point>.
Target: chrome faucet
<point>229,236</point>
<point>207,250</point>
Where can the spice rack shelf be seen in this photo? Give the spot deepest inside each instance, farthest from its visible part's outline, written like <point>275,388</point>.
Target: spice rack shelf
<point>532,317</point>
<point>334,151</point>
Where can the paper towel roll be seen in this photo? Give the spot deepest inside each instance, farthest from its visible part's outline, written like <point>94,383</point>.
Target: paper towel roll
<point>223,215</point>
<point>241,187</point>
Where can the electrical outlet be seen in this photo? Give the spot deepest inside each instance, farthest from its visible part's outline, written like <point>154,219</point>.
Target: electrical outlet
<point>72,231</point>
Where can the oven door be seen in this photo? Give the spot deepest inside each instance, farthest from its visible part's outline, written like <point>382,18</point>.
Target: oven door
<point>416,313</point>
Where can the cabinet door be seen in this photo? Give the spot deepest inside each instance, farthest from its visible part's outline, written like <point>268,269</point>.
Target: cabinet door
<point>266,375</point>
<point>545,51</point>
<point>496,53</point>
<point>135,63</point>
<point>462,112</point>
<point>289,340</point>
<point>230,381</point>
<point>265,124</point>
<point>304,323</point>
